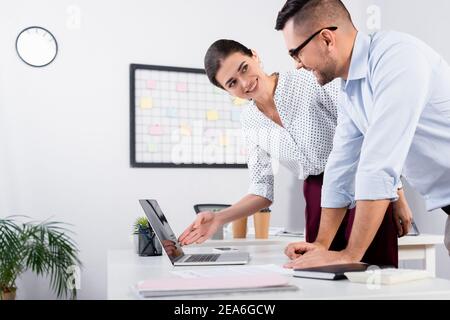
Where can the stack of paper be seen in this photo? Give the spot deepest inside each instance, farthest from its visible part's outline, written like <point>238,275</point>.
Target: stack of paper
<point>214,280</point>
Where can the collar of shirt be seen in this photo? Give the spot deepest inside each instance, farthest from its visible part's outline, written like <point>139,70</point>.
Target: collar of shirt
<point>359,63</point>
<point>285,115</point>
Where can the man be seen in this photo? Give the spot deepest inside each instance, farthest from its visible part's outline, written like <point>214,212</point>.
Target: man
<point>394,119</point>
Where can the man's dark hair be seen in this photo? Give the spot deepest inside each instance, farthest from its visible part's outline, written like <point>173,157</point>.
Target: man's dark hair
<point>217,53</point>
<point>312,12</point>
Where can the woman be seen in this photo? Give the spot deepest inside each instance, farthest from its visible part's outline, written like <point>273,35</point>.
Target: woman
<point>291,119</point>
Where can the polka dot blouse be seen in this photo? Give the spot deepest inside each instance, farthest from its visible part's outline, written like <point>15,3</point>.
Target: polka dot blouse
<point>309,116</point>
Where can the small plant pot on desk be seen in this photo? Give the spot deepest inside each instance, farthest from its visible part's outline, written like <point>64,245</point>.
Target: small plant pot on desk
<point>148,243</point>
<point>8,294</point>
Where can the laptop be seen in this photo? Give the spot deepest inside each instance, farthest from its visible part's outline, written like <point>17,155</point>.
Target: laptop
<point>172,247</point>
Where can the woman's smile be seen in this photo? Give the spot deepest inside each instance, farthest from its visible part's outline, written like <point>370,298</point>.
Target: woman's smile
<point>253,87</point>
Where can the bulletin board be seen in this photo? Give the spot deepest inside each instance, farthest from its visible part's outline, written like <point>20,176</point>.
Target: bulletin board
<point>179,119</point>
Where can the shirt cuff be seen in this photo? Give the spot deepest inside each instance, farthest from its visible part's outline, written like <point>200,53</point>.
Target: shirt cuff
<point>262,190</point>
<point>334,199</point>
<point>369,187</point>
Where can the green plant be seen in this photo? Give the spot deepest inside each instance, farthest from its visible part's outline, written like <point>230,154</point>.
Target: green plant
<point>43,248</point>
<point>141,225</point>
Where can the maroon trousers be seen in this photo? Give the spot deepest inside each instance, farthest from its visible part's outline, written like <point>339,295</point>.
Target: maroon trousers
<point>384,247</point>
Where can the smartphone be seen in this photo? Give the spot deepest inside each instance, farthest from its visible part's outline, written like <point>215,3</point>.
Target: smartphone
<point>414,230</point>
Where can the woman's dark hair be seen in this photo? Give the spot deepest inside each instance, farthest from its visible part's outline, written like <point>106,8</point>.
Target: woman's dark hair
<point>218,52</point>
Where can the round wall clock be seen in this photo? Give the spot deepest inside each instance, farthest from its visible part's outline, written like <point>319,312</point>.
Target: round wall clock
<point>36,46</point>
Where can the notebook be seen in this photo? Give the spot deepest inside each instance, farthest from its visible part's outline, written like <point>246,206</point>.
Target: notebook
<point>331,272</point>
<point>176,286</point>
<point>387,276</point>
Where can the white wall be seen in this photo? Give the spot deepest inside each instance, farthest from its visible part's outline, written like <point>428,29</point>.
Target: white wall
<point>64,129</point>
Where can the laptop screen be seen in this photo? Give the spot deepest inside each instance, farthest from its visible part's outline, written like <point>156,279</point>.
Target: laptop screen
<point>162,229</point>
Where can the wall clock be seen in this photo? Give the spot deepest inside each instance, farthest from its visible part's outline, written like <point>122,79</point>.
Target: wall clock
<point>36,46</point>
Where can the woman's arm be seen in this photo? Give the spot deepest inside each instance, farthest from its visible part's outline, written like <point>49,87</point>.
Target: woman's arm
<point>402,214</point>
<point>207,223</point>
<point>248,205</point>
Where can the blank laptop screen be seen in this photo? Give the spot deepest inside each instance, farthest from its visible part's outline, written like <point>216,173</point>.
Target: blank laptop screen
<point>162,229</point>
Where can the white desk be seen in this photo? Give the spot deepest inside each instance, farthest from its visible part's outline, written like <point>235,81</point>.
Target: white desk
<point>126,268</point>
<point>422,247</point>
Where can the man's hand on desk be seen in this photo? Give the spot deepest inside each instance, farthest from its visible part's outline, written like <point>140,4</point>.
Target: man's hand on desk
<point>204,226</point>
<point>295,250</point>
<point>316,258</point>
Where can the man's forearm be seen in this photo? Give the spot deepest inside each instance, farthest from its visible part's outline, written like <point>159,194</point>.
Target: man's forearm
<point>330,220</point>
<point>368,218</point>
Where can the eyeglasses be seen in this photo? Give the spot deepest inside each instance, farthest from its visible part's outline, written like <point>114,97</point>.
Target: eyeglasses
<point>294,52</point>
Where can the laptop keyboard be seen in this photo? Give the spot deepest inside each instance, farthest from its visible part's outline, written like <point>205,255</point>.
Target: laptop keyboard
<point>203,258</point>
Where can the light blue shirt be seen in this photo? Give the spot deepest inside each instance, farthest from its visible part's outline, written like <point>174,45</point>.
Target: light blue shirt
<point>393,120</point>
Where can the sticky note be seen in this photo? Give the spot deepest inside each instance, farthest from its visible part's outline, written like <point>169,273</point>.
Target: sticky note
<point>146,103</point>
<point>151,84</point>
<point>210,133</point>
<point>224,141</point>
<point>212,115</point>
<point>239,102</point>
<point>152,148</point>
<point>172,113</point>
<point>181,86</point>
<point>155,130</point>
<point>236,115</point>
<point>185,130</point>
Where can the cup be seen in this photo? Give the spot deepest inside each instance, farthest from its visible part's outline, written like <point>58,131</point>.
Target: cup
<point>240,228</point>
<point>261,221</point>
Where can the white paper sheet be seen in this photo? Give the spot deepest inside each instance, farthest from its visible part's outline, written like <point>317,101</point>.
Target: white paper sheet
<point>211,272</point>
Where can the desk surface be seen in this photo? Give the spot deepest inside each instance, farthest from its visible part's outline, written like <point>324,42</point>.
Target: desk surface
<point>126,268</point>
<point>423,239</point>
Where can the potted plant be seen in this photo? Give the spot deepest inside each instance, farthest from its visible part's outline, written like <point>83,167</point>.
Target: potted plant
<point>146,242</point>
<point>43,248</point>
